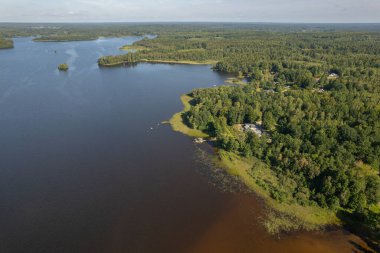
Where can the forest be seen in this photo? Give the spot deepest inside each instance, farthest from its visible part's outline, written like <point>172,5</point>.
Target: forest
<point>316,96</point>
<point>236,49</point>
<point>64,32</point>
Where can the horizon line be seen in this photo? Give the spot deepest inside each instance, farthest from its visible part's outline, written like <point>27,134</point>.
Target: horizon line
<point>199,22</point>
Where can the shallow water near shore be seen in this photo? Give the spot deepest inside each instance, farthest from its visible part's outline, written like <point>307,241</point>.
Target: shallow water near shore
<point>86,166</point>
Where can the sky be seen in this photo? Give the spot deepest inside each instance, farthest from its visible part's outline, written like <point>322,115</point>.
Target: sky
<point>305,11</point>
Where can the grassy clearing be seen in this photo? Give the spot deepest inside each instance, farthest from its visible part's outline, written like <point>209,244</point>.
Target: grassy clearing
<point>375,208</point>
<point>285,216</point>
<point>179,125</point>
<point>134,48</point>
<point>366,169</point>
<point>237,81</point>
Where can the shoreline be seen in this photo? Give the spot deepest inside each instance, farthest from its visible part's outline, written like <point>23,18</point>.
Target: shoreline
<point>282,217</point>
<point>63,40</point>
<point>158,61</point>
<point>74,39</point>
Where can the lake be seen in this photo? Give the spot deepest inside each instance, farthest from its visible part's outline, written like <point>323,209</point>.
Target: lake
<point>86,166</point>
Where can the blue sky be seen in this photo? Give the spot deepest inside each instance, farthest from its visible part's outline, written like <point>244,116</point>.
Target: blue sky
<point>190,10</point>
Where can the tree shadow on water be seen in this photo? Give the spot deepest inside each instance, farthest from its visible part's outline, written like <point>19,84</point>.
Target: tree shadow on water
<point>364,225</point>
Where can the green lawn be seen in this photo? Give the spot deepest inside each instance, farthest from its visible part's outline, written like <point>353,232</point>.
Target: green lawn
<point>178,125</point>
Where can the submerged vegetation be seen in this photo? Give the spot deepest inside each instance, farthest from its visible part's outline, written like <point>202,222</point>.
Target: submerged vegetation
<point>287,215</point>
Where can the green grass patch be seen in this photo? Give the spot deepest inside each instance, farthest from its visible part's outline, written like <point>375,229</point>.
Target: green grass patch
<point>375,208</point>
<point>262,180</point>
<point>179,125</point>
<point>134,48</point>
<point>237,81</point>
<point>366,169</point>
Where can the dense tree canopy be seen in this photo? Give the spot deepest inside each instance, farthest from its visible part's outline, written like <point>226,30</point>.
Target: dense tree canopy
<point>317,96</point>
<point>320,140</point>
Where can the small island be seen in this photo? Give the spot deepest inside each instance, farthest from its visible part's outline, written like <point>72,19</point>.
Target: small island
<point>63,67</point>
<point>6,43</point>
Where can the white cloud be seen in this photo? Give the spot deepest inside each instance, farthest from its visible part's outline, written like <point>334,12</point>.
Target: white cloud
<point>191,10</point>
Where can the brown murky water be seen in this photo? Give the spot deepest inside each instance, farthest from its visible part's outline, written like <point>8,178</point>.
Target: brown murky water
<point>237,230</point>
<point>85,166</point>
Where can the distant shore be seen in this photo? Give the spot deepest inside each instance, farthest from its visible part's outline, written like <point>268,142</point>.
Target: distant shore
<point>159,61</point>
<point>42,39</point>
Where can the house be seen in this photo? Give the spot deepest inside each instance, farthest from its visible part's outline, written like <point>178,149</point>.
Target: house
<point>255,128</point>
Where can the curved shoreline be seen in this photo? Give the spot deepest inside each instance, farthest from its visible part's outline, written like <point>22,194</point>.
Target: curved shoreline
<point>178,125</point>
<point>64,40</point>
<point>284,217</point>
